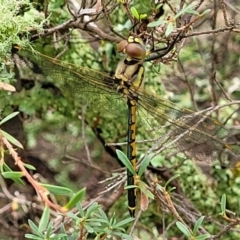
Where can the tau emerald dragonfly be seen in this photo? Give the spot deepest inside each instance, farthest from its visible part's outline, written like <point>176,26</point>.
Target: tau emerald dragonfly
<point>174,128</point>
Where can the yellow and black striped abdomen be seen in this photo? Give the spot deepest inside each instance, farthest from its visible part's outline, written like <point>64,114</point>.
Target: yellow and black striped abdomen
<point>130,73</point>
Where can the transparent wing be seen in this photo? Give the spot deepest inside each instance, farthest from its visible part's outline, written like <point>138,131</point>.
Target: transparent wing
<point>196,135</point>
<point>172,128</point>
<point>86,86</point>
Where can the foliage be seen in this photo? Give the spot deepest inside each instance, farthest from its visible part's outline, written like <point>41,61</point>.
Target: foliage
<point>177,197</point>
<point>18,20</point>
<point>94,221</point>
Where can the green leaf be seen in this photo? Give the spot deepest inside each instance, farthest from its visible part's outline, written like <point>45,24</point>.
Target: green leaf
<point>183,229</point>
<point>28,166</point>
<point>135,13</point>
<point>191,11</point>
<point>58,190</point>
<point>149,195</point>
<point>11,139</point>
<point>171,179</point>
<point>197,225</point>
<point>12,115</point>
<point>123,235</point>
<point>103,215</point>
<point>143,16</point>
<point>75,199</point>
<point>44,219</point>
<point>184,10</point>
<point>126,162</point>
<point>80,209</point>
<point>157,23</point>
<point>159,5</point>
<point>171,189</point>
<point>49,229</point>
<point>88,228</point>
<point>12,175</point>
<point>203,237</point>
<point>223,203</point>
<point>6,168</point>
<point>34,228</point>
<point>130,186</point>
<point>91,209</point>
<point>205,12</point>
<point>144,165</point>
<point>169,29</point>
<point>123,222</point>
<point>31,236</point>
<point>143,188</point>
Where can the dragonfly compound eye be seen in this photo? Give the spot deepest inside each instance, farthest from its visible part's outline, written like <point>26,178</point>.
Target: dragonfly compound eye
<point>122,45</point>
<point>135,51</point>
<point>133,47</point>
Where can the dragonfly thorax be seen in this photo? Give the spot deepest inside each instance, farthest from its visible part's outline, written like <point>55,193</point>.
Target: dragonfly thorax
<point>130,73</point>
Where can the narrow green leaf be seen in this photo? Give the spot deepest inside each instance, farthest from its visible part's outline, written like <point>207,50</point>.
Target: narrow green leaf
<point>88,228</point>
<point>91,209</point>
<point>130,186</point>
<point>72,216</point>
<point>123,236</point>
<point>203,237</point>
<point>49,229</point>
<point>149,195</point>
<point>143,188</point>
<point>75,199</point>
<point>183,229</point>
<point>28,166</point>
<point>171,189</point>
<point>12,115</point>
<point>44,219</point>
<point>135,13</point>
<point>103,215</point>
<point>184,10</point>
<point>157,23</point>
<point>197,225</point>
<point>58,190</point>
<point>126,162</point>
<point>159,5</point>
<point>171,179</point>
<point>223,203</point>
<point>143,16</point>
<point>169,29</point>
<point>6,168</point>
<point>33,237</point>
<point>191,11</point>
<point>80,209</point>
<point>205,12</point>
<point>11,139</point>
<point>34,228</point>
<point>12,175</point>
<point>124,222</point>
<point>97,220</point>
<point>144,165</point>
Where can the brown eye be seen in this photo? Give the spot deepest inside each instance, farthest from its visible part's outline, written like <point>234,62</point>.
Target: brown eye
<point>136,51</point>
<point>122,45</point>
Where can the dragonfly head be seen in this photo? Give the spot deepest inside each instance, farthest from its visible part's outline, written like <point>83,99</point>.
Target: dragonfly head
<point>133,47</point>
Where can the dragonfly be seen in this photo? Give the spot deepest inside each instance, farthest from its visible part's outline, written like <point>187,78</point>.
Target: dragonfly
<point>194,134</point>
